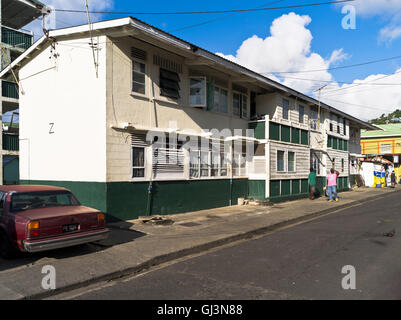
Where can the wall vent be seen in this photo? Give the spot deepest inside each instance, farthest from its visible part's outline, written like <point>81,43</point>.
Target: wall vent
<point>138,54</point>
<point>167,64</point>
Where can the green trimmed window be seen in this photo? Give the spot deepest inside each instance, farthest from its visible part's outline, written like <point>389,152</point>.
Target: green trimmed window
<point>285,133</point>
<point>295,135</point>
<point>304,137</point>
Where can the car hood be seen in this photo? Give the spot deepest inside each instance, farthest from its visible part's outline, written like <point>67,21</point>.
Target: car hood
<point>43,213</point>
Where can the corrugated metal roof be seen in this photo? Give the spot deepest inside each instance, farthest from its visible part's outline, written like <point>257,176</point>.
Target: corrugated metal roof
<point>18,13</point>
<point>165,36</point>
<point>391,129</point>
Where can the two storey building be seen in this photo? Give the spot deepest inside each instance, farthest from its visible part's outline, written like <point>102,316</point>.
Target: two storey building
<point>136,122</point>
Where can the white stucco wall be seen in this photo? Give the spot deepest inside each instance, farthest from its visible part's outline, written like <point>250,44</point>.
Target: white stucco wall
<point>71,97</point>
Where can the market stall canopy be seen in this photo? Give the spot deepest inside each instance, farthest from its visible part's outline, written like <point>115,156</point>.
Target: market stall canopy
<point>18,13</point>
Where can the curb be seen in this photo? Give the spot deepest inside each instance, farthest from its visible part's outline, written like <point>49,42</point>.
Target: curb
<point>199,249</point>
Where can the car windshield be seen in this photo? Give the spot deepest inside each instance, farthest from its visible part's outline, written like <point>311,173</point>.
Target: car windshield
<point>42,199</point>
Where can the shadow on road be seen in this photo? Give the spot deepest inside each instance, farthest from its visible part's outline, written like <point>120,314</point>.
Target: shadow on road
<point>116,237</point>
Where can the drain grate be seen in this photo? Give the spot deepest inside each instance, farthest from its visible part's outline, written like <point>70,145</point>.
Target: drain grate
<point>190,224</point>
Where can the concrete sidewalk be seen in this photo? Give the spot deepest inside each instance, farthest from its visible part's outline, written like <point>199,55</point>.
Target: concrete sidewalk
<point>135,246</point>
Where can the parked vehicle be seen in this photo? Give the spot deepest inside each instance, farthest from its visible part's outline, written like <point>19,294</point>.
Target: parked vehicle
<point>37,218</point>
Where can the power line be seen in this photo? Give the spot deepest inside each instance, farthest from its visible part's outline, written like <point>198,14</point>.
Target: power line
<point>335,68</point>
<point>220,18</point>
<point>343,82</point>
<point>359,105</point>
<point>360,90</point>
<point>203,12</point>
<point>359,84</point>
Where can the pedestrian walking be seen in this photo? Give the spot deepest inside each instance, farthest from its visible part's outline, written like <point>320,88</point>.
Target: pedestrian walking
<point>332,184</point>
<point>312,184</point>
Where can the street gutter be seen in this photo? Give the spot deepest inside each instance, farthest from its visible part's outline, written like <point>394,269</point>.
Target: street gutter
<point>169,257</point>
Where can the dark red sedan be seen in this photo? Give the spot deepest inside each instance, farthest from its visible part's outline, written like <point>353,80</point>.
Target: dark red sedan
<point>36,218</point>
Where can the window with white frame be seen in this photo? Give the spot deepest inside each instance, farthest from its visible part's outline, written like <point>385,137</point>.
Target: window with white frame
<point>280,161</point>
<point>240,104</point>
<point>244,106</point>
<point>385,148</point>
<point>239,164</point>
<point>236,104</point>
<point>291,161</point>
<point>138,162</point>
<point>206,163</point>
<point>194,164</point>
<point>313,120</point>
<point>138,76</point>
<point>220,100</point>
<point>286,108</point>
<point>197,91</point>
<point>301,114</point>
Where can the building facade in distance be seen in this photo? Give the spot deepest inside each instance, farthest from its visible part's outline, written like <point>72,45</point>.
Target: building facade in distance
<point>15,14</point>
<point>385,142</point>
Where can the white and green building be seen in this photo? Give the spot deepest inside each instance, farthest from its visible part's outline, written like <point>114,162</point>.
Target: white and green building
<point>14,40</point>
<point>87,109</point>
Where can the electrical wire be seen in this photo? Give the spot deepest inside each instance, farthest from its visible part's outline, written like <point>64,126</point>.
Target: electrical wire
<point>361,106</point>
<point>343,82</point>
<point>359,84</point>
<point>203,12</point>
<point>336,68</point>
<point>220,18</point>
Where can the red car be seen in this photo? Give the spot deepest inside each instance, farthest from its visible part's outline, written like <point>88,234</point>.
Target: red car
<point>36,218</point>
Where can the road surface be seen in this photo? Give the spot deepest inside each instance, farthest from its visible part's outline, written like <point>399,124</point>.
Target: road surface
<point>304,261</point>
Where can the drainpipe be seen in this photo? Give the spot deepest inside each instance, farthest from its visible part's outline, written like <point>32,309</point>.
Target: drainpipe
<point>150,185</point>
<point>148,206</point>
<point>231,174</point>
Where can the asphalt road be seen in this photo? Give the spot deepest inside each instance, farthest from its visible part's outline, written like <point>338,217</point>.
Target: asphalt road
<point>299,262</point>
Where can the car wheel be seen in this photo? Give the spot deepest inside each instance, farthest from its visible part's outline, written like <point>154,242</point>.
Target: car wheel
<point>7,251</point>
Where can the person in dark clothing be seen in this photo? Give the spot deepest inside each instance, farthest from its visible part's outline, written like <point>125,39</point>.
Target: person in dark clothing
<point>312,184</point>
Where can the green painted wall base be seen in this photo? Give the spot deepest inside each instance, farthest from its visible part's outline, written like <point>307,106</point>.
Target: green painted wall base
<point>257,190</point>
<point>129,200</point>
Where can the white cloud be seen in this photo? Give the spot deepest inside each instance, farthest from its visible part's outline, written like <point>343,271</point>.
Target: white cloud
<point>367,101</point>
<point>390,33</point>
<point>386,9</point>
<point>64,19</point>
<point>376,7</point>
<point>288,48</point>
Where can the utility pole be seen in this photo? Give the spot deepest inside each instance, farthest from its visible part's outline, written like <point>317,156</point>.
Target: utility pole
<point>318,111</point>
<point>92,44</point>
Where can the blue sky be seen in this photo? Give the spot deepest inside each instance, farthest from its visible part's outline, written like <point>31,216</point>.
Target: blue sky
<point>316,31</point>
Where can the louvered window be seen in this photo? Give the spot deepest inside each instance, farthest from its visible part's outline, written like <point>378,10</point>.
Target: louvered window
<point>138,77</point>
<point>138,162</point>
<point>168,163</point>
<point>138,70</point>
<point>167,64</point>
<point>169,84</point>
<point>137,53</point>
